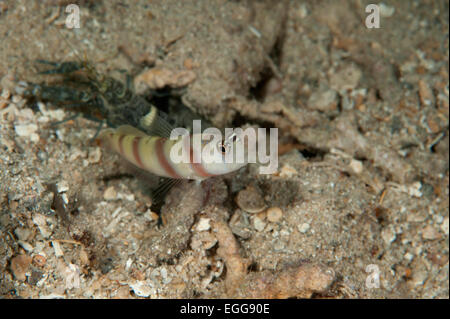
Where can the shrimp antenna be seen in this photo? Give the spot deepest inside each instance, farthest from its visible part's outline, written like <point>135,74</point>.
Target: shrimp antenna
<point>59,34</point>
<point>84,62</point>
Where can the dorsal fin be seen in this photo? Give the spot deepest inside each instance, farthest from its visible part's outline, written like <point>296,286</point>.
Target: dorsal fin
<point>154,123</point>
<point>130,130</point>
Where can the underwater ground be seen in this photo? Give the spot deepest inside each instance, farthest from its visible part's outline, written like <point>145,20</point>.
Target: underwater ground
<point>358,207</point>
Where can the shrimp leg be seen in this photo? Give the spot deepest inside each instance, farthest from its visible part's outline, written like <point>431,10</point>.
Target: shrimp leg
<point>61,68</point>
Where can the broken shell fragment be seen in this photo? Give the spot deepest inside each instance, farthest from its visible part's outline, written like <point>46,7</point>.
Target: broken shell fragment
<point>20,266</point>
<point>250,200</point>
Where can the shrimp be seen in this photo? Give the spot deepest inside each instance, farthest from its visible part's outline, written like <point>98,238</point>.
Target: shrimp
<point>98,96</point>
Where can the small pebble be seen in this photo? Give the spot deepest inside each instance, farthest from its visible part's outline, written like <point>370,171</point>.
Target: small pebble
<point>84,257</point>
<point>356,166</point>
<point>409,257</point>
<point>274,214</point>
<point>415,189</point>
<point>203,224</point>
<point>94,155</point>
<point>41,223</point>
<point>259,224</point>
<point>438,218</point>
<point>430,233</point>
<point>386,11</point>
<point>141,288</point>
<point>65,198</point>
<point>157,78</point>
<point>122,292</point>
<point>128,197</point>
<point>165,278</point>
<point>16,99</point>
<point>444,226</point>
<point>285,232</point>
<point>56,115</point>
<point>152,215</point>
<point>324,101</point>
<point>26,246</point>
<point>303,11</point>
<point>425,94</point>
<point>27,130</point>
<point>22,233</point>
<point>128,264</point>
<point>438,258</point>
<point>188,63</point>
<point>261,215</point>
<point>62,186</point>
<point>416,217</point>
<point>77,153</point>
<point>388,235</point>
<point>303,228</point>
<point>20,265</point>
<point>6,94</point>
<point>72,276</point>
<point>419,278</point>
<point>52,296</point>
<point>346,79</point>
<point>347,103</point>
<point>288,171</point>
<point>3,103</point>
<point>57,249</point>
<point>279,246</point>
<point>110,193</point>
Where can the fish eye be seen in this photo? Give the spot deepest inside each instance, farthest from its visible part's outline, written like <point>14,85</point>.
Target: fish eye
<point>222,147</point>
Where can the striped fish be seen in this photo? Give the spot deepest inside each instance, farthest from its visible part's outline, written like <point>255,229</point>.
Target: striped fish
<point>152,153</point>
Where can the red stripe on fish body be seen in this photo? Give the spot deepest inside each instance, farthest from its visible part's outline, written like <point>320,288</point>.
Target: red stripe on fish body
<point>136,151</point>
<point>162,149</point>
<point>197,168</point>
